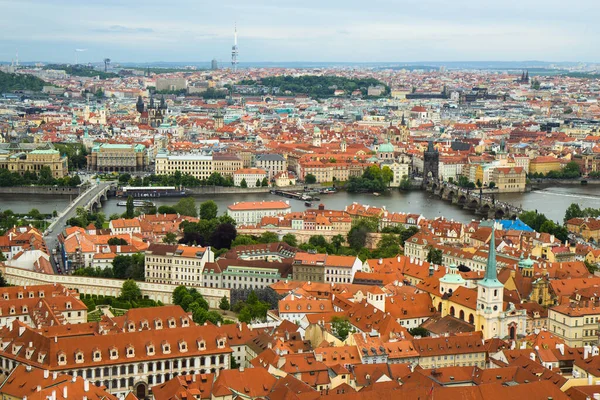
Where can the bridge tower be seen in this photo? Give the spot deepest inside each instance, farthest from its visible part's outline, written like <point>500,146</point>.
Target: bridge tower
<point>431,163</point>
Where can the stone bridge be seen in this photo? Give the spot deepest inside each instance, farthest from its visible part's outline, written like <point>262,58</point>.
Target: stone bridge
<point>479,201</point>
<point>95,202</point>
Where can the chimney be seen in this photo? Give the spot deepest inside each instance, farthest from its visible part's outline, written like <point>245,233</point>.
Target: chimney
<point>86,385</point>
<point>38,388</point>
<point>65,392</point>
<point>586,351</point>
<point>54,375</point>
<point>46,374</point>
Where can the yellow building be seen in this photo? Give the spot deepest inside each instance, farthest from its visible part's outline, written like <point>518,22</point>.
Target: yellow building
<point>118,158</point>
<point>509,179</point>
<point>543,165</point>
<point>577,326</point>
<point>33,161</point>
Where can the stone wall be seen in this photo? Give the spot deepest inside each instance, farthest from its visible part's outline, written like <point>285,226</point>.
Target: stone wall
<point>41,190</point>
<point>104,286</point>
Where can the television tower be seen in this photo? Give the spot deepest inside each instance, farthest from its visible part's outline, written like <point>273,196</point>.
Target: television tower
<point>234,51</point>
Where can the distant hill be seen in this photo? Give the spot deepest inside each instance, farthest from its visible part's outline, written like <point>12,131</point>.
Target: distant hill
<point>11,82</point>
<point>81,70</point>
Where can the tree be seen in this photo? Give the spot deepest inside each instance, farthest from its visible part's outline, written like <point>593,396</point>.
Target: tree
<point>478,183</point>
<point>310,179</point>
<point>573,211</point>
<point>35,214</point>
<point>405,183</point>
<point>340,327</point>
<point>492,185</point>
<point>290,239</point>
<point>243,240</point>
<point>129,213</point>
<point>434,256</point>
<point>257,184</point>
<point>187,206</point>
<point>178,294</point>
<point>337,241</point>
<point>264,183</point>
<point>124,178</point>
<point>116,241</point>
<point>268,237</point>
<point>75,181</point>
<point>130,290</point>
<point>419,332</point>
<point>209,210</point>
<point>388,246</point>
<point>317,241</point>
<point>224,304</point>
<point>243,184</point>
<point>167,210</point>
<point>170,238</point>
<point>223,235</point>
<point>387,175</point>
<point>357,236</point>
<point>3,282</point>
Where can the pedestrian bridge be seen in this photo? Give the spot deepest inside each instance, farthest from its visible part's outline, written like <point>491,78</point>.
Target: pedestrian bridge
<point>481,202</point>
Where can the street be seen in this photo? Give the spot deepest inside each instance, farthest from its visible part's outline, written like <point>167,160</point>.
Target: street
<point>59,224</point>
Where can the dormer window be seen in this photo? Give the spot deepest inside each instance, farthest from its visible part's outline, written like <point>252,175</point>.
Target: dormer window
<point>20,295</point>
<point>62,359</point>
<point>183,346</point>
<point>158,324</point>
<point>185,322</point>
<point>166,348</point>
<point>12,311</point>
<point>5,296</point>
<point>24,309</point>
<point>172,323</point>
<point>29,353</point>
<point>131,326</point>
<point>68,305</point>
<point>150,349</point>
<point>41,357</point>
<point>130,352</point>
<point>79,357</point>
<point>114,354</point>
<point>41,294</point>
<point>97,356</point>
<point>31,295</point>
<point>202,344</point>
<point>145,324</point>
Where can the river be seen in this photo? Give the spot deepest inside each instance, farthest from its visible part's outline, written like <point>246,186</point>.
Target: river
<point>552,202</point>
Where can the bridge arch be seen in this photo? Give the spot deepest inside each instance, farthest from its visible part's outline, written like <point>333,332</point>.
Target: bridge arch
<point>462,199</point>
<point>500,213</point>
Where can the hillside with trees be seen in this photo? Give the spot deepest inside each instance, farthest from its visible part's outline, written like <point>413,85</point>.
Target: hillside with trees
<point>82,70</point>
<point>11,82</point>
<point>316,86</point>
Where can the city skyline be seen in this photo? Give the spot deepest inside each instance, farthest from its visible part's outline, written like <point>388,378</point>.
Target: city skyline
<point>383,31</point>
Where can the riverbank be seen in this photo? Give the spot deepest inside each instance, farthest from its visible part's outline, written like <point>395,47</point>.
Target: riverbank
<point>42,190</point>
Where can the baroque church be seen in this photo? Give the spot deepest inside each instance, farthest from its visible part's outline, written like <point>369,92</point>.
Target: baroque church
<point>483,307</point>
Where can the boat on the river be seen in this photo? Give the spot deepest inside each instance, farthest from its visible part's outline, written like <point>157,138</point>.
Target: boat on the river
<point>137,203</point>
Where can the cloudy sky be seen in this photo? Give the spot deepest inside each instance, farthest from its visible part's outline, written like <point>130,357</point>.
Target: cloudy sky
<point>307,30</point>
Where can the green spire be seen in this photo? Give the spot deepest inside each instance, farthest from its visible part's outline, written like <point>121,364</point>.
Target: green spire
<point>491,278</point>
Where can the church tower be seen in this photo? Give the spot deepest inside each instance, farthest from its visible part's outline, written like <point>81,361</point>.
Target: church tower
<point>344,146</point>
<point>219,120</point>
<point>316,137</point>
<point>490,295</point>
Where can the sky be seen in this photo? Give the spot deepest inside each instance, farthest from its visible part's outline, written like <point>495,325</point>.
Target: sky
<point>307,30</point>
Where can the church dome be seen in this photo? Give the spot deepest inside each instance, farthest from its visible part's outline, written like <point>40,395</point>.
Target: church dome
<point>386,148</point>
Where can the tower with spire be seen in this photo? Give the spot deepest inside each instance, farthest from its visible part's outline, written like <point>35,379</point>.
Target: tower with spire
<point>234,51</point>
<point>490,295</point>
